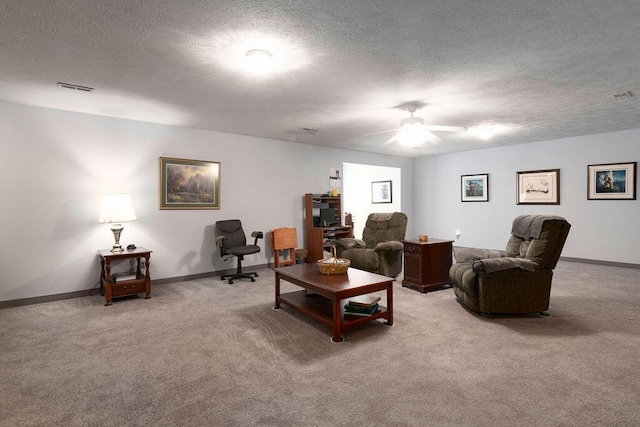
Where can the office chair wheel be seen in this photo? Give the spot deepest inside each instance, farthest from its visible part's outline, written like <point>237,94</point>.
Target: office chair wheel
<point>256,274</point>
<point>253,280</point>
<point>231,282</point>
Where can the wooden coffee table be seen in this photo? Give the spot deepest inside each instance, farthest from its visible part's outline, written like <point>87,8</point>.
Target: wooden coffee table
<point>336,290</point>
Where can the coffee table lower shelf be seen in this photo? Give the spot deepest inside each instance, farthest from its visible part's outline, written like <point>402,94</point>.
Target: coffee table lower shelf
<point>321,309</point>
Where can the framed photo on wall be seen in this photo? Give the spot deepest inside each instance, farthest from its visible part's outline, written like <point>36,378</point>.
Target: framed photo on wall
<point>381,192</point>
<point>189,184</point>
<point>475,188</point>
<point>611,181</point>
<point>540,187</point>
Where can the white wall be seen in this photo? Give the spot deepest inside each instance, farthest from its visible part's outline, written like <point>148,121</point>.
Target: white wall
<point>357,179</point>
<point>56,165</point>
<point>601,230</point>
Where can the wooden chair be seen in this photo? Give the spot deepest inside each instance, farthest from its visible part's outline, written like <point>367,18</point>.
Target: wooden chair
<point>284,239</point>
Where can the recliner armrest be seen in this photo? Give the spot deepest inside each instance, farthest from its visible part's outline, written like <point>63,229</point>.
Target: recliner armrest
<point>475,254</point>
<point>257,235</point>
<point>350,243</point>
<point>391,245</point>
<point>491,265</point>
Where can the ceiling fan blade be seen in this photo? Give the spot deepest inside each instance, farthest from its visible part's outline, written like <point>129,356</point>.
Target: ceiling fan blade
<point>446,128</point>
<point>382,131</point>
<point>391,140</point>
<point>431,137</point>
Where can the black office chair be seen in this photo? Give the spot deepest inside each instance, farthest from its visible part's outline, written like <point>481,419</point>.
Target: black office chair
<point>231,240</point>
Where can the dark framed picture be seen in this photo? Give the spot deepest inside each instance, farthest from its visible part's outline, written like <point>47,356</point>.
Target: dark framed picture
<point>540,187</point>
<point>611,181</point>
<point>475,188</point>
<point>381,192</point>
<point>189,184</point>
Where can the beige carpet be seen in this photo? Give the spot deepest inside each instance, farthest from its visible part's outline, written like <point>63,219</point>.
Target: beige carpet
<point>208,353</point>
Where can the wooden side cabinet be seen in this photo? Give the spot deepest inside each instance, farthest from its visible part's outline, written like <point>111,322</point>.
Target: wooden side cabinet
<point>140,283</point>
<point>427,264</point>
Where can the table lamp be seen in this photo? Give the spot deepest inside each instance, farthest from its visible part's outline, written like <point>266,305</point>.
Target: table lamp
<point>116,208</point>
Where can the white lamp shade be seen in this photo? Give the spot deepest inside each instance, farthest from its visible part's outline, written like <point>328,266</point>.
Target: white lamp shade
<point>117,208</point>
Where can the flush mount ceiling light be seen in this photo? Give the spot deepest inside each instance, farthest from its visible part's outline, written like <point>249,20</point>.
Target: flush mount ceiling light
<point>488,130</point>
<point>258,61</point>
<point>236,50</point>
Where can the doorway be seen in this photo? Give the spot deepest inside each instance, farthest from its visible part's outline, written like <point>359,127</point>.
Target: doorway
<point>367,189</point>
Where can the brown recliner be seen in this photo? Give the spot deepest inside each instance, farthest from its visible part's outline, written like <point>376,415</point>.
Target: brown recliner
<point>517,281</point>
<point>380,250</point>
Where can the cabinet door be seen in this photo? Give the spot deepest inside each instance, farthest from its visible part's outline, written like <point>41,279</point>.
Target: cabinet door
<point>412,268</point>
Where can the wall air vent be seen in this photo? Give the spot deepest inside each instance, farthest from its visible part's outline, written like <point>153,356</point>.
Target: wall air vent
<point>623,95</point>
<point>75,87</point>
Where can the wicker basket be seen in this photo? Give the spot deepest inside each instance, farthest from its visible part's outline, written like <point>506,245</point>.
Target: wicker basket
<point>333,265</point>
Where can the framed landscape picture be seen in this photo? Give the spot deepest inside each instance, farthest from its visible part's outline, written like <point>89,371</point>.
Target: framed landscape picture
<point>381,192</point>
<point>189,184</point>
<point>611,181</point>
<point>475,188</point>
<point>541,187</point>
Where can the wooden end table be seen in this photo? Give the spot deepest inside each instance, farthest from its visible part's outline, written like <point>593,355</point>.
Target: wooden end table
<point>334,291</point>
<point>141,283</point>
<point>427,264</point>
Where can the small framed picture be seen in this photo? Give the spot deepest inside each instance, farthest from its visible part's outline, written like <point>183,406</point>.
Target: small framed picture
<point>611,181</point>
<point>381,192</point>
<point>475,188</point>
<point>189,184</point>
<point>540,187</point>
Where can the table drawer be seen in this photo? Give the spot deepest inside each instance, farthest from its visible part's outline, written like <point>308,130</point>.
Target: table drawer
<point>128,288</point>
<point>412,249</point>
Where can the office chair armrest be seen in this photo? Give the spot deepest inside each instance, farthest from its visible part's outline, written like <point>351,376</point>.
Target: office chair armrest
<point>220,241</point>
<point>257,235</point>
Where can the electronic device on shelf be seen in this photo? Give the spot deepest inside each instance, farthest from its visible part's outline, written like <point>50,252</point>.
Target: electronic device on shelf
<point>328,217</point>
<point>131,247</point>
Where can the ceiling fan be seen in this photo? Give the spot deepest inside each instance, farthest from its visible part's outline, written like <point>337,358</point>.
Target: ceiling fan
<point>413,132</point>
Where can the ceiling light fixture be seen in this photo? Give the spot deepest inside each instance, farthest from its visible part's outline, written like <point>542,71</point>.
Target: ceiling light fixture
<point>489,130</point>
<point>485,133</point>
<point>258,61</point>
<point>412,134</point>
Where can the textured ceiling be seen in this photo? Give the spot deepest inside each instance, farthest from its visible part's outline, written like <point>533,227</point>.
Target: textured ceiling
<point>541,69</point>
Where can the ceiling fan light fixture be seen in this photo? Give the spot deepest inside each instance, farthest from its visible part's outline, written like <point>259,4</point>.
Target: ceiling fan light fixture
<point>411,135</point>
<point>411,121</point>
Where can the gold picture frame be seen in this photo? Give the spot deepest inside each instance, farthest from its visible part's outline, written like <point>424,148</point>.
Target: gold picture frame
<point>189,184</point>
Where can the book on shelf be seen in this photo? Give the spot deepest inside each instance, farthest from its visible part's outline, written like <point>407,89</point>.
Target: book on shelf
<point>360,311</point>
<point>363,301</point>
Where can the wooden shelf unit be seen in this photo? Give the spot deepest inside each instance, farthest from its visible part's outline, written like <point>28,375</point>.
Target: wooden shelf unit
<point>315,233</point>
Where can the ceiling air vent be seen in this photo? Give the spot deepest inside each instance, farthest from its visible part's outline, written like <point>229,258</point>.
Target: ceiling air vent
<point>302,131</point>
<point>623,95</point>
<point>75,87</point>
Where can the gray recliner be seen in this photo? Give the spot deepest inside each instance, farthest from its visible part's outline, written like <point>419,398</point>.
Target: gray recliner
<point>380,250</point>
<point>518,280</point>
